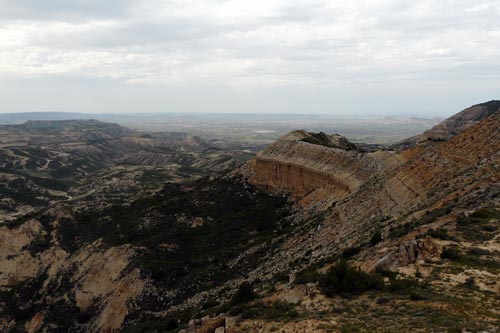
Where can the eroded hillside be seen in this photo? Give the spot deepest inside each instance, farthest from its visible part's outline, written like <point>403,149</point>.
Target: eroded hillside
<point>315,234</point>
<point>44,162</point>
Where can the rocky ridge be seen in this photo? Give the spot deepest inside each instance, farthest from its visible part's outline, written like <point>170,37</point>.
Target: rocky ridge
<point>453,125</point>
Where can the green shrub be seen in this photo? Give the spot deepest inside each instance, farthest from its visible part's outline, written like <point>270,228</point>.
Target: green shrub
<point>429,217</point>
<point>383,300</point>
<point>153,325</point>
<point>477,227</point>
<point>376,238</point>
<point>470,283</point>
<point>451,252</point>
<point>308,275</point>
<point>350,252</point>
<point>244,294</point>
<point>343,279</point>
<point>404,285</point>
<point>416,296</point>
<point>439,234</point>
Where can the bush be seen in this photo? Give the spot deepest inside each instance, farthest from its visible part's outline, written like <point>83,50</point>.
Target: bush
<point>451,252</point>
<point>244,294</point>
<point>343,279</point>
<point>402,285</point>
<point>416,296</point>
<point>307,276</point>
<point>350,252</point>
<point>479,226</point>
<point>439,234</point>
<point>383,300</point>
<point>376,238</point>
<point>470,283</point>
<point>153,325</point>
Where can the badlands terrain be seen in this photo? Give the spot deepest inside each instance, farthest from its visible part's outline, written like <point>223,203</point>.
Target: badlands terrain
<point>108,229</point>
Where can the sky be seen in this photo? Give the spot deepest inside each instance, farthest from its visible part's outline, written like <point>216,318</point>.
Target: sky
<point>356,57</point>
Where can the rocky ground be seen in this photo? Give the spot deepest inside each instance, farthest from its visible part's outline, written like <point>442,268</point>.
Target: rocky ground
<point>314,234</point>
<point>44,162</point>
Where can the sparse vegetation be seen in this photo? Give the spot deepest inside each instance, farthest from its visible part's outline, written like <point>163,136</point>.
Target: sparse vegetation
<point>429,217</point>
<point>479,226</point>
<point>270,311</point>
<point>439,233</point>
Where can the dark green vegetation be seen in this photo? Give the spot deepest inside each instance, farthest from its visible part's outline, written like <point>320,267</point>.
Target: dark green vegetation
<point>439,234</point>
<point>323,139</point>
<point>185,236</point>
<point>26,189</point>
<point>451,252</point>
<point>176,253</point>
<point>472,258</point>
<point>345,280</point>
<point>244,294</point>
<point>163,325</point>
<point>480,226</point>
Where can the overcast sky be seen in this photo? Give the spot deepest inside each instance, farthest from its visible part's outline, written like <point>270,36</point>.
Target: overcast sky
<point>340,57</point>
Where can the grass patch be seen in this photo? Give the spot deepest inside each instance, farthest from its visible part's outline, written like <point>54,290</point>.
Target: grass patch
<point>270,311</point>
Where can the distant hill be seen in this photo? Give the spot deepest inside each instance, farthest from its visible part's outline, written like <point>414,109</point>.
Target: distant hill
<point>42,160</point>
<point>18,118</point>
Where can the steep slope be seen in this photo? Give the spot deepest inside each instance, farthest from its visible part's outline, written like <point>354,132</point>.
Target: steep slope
<point>312,166</point>
<point>367,191</point>
<point>412,192</point>
<point>453,125</point>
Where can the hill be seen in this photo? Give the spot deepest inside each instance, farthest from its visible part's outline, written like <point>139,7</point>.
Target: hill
<point>43,162</point>
<point>314,234</point>
<point>450,127</point>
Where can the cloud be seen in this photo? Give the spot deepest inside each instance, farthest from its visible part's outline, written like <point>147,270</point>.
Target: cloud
<point>64,10</point>
<point>252,45</point>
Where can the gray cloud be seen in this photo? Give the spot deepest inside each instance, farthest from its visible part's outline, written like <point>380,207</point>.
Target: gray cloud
<point>332,52</point>
<point>64,10</point>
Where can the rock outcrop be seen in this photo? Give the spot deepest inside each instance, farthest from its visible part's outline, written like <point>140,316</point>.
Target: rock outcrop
<point>453,125</point>
<point>364,193</point>
<point>312,165</point>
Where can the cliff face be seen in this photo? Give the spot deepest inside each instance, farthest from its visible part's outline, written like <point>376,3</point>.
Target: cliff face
<point>397,180</point>
<point>312,165</point>
<point>365,192</point>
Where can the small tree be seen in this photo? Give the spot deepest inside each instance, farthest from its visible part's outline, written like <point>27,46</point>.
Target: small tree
<point>376,238</point>
<point>342,278</point>
<point>244,294</point>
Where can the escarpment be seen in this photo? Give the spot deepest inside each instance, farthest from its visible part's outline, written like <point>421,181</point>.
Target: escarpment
<point>308,164</point>
<point>381,191</point>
